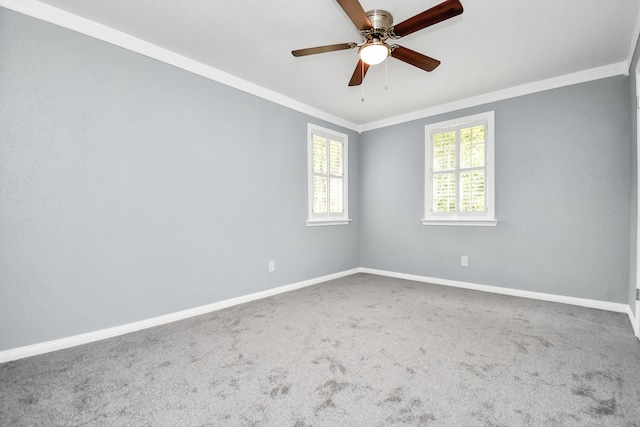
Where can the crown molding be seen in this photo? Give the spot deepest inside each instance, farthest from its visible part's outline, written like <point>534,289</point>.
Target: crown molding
<point>617,69</point>
<point>107,34</point>
<point>620,68</point>
<point>634,43</point>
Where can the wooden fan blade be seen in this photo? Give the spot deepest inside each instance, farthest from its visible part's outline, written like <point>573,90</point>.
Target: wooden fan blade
<point>414,58</point>
<point>359,73</point>
<point>323,49</point>
<point>356,13</point>
<point>438,13</point>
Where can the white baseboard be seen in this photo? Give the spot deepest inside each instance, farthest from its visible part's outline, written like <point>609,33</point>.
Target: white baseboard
<point>602,305</point>
<point>634,322</point>
<point>582,302</point>
<point>62,343</point>
<point>59,344</point>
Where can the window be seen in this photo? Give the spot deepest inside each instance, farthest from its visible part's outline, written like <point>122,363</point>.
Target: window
<point>327,153</point>
<point>459,178</point>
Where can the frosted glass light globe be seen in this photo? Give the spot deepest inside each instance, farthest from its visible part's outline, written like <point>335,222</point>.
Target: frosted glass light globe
<point>374,53</point>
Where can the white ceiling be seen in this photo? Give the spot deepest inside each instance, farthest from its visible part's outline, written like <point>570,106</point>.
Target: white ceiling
<point>492,46</point>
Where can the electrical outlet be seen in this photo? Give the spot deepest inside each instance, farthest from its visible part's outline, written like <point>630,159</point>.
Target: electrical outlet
<point>272,266</point>
<point>464,261</point>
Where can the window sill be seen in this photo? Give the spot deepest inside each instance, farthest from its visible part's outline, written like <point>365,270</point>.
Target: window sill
<point>461,222</point>
<point>322,222</point>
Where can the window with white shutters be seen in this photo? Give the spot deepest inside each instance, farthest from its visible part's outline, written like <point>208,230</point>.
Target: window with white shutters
<point>327,151</point>
<point>459,178</point>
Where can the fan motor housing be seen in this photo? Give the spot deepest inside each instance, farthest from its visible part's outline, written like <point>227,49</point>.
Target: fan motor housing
<point>380,19</point>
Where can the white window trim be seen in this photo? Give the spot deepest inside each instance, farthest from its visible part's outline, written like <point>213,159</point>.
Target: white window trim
<point>329,219</point>
<point>489,218</point>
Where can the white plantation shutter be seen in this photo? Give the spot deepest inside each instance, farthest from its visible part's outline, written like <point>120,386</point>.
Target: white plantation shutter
<point>459,171</point>
<point>320,195</point>
<point>335,177</point>
<point>444,162</point>
<point>473,168</point>
<point>319,170</point>
<point>444,192</point>
<point>327,177</point>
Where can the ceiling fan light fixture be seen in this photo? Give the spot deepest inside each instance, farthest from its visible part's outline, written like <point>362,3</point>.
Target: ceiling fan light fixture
<point>374,52</point>
<point>376,27</point>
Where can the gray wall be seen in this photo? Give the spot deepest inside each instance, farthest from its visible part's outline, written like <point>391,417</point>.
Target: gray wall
<point>131,189</point>
<point>563,175</point>
<point>633,247</point>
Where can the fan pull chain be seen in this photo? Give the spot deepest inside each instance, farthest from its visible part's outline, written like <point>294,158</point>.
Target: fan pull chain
<point>362,80</point>
<point>386,73</point>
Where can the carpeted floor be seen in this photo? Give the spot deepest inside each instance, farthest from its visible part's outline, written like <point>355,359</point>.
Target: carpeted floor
<point>359,351</point>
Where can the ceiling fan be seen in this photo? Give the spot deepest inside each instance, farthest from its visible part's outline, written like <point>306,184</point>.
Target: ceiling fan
<point>376,27</point>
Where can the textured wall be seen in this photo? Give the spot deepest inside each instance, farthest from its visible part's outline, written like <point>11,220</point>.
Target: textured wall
<point>130,188</point>
<point>633,248</point>
<point>562,198</point>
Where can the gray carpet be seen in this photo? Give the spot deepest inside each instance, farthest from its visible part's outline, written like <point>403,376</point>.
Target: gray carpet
<point>358,351</point>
